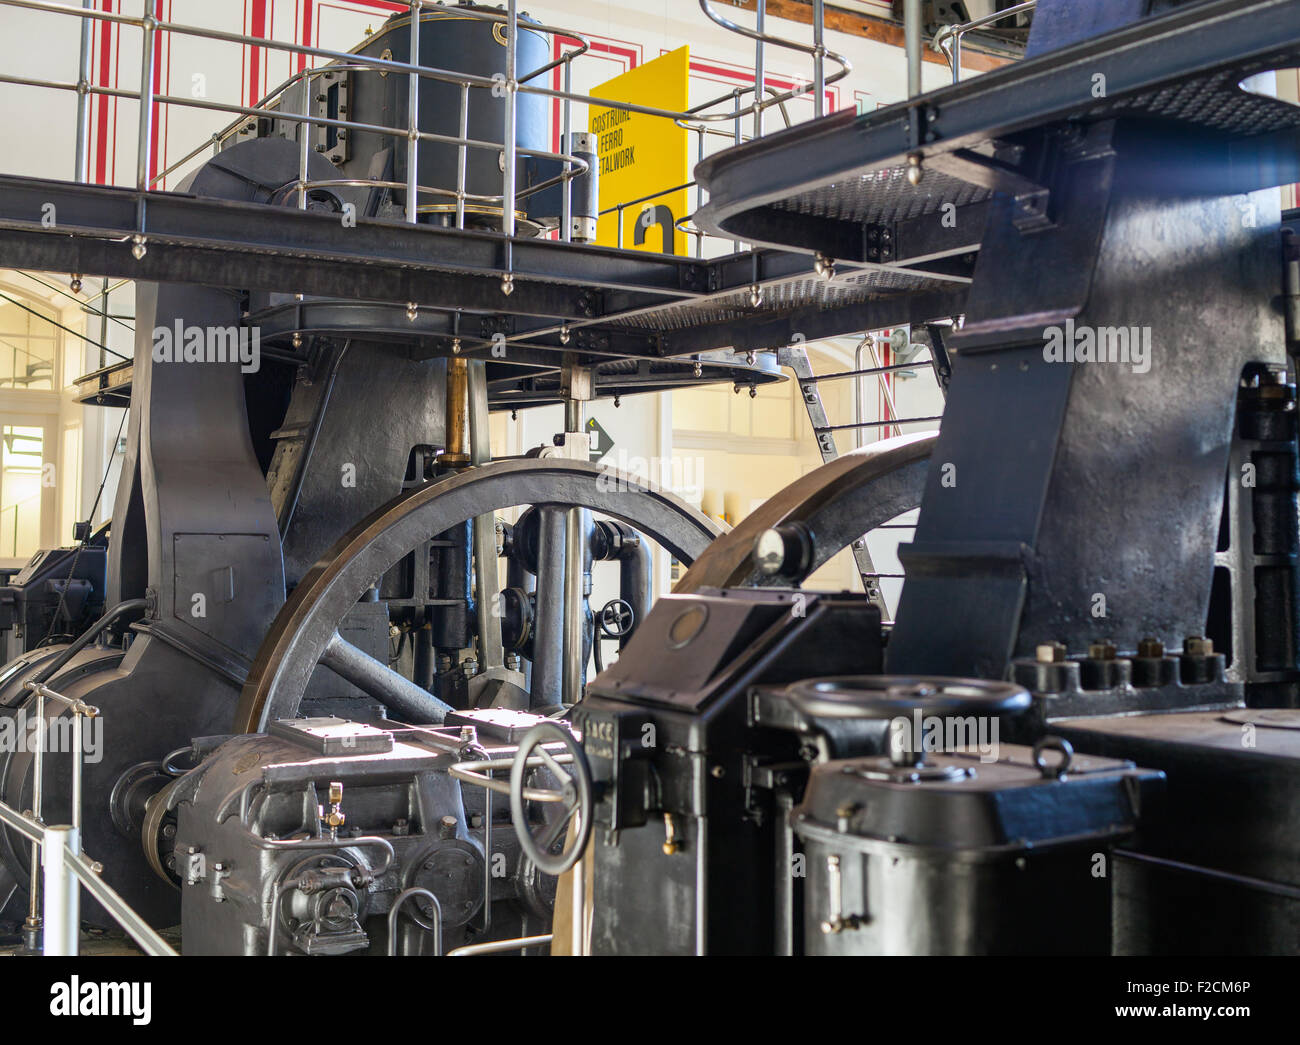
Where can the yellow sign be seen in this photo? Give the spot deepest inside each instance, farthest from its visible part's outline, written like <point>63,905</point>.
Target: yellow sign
<point>641,156</point>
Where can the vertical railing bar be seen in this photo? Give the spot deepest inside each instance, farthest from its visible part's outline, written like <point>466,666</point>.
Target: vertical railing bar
<point>38,777</point>
<point>463,156</point>
<point>735,93</point>
<point>912,45</point>
<point>511,153</point>
<point>147,26</point>
<point>305,131</point>
<point>819,57</point>
<point>413,119</point>
<point>760,74</point>
<point>566,207</point>
<point>77,722</point>
<point>699,192</point>
<point>83,100</point>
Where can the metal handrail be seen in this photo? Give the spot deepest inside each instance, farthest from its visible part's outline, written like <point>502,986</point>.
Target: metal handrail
<point>817,50</point>
<point>572,166</point>
<point>57,860</point>
<point>499,946</point>
<point>956,32</point>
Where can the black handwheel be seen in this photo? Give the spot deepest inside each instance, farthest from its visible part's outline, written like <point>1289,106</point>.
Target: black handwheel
<point>575,796</point>
<point>617,618</point>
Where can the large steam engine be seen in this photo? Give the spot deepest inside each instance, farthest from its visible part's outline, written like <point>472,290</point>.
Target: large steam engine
<point>328,725</point>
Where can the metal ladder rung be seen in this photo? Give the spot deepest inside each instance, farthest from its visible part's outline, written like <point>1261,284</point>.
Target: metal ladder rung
<point>877,424</point>
<point>868,372</point>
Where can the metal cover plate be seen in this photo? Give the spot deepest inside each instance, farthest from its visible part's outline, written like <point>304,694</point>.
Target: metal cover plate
<point>333,736</point>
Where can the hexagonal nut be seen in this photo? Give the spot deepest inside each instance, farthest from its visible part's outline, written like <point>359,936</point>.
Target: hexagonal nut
<point>1101,651</point>
<point>1198,646</point>
<point>1150,649</point>
<point>1050,653</point>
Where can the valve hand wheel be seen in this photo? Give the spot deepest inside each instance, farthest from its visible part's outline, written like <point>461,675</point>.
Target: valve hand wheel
<point>574,798</point>
<point>617,618</point>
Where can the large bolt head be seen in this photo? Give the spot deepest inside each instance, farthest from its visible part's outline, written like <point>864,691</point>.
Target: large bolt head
<point>1050,653</point>
<point>1151,649</point>
<point>1101,651</point>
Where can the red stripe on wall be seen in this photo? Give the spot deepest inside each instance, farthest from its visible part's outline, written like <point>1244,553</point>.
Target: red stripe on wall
<point>155,76</point>
<point>257,28</point>
<point>102,100</point>
<point>307,12</point>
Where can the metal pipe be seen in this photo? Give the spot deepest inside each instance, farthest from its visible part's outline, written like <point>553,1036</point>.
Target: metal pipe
<point>566,142</point>
<point>760,74</point>
<point>61,929</point>
<point>145,141</point>
<point>735,243</point>
<point>77,723</point>
<point>304,144</point>
<point>413,118</point>
<point>508,174</point>
<point>38,777</point>
<point>85,638</point>
<point>401,898</point>
<point>548,630</point>
<point>82,163</point>
<point>578,902</point>
<point>912,45</point>
<point>462,157</point>
<point>487,582</point>
<point>499,946</point>
<point>458,426</point>
<point>819,57</point>
<point>883,381</point>
<point>575,554</point>
<point>487,856</point>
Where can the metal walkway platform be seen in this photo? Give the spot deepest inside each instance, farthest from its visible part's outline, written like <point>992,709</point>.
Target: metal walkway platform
<point>564,298</point>
<point>846,186</point>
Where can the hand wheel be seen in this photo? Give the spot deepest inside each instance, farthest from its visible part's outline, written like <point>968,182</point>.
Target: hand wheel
<point>574,797</point>
<point>617,618</point>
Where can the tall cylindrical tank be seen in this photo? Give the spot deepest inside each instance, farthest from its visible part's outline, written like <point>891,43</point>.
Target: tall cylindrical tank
<point>455,40</point>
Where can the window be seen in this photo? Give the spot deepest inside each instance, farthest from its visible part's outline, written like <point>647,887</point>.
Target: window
<point>27,345</point>
<point>21,456</point>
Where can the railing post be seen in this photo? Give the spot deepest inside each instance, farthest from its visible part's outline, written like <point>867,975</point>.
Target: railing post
<point>508,175</point>
<point>143,147</point>
<point>463,157</point>
<point>62,900</point>
<point>819,57</point>
<point>38,777</point>
<point>83,99</point>
<point>413,112</point>
<point>304,140</point>
<point>760,74</point>
<point>566,208</point>
<point>912,45</point>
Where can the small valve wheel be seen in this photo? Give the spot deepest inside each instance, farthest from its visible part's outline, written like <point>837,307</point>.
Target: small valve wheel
<point>617,618</point>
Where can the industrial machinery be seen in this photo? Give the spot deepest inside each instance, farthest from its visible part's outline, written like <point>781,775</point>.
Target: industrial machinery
<point>309,525</point>
<point>1104,567</point>
<point>1079,734</point>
